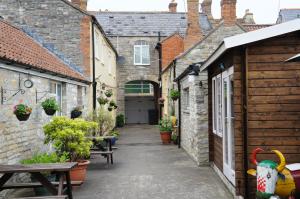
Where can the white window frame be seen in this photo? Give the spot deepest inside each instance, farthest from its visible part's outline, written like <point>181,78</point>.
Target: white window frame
<point>140,47</point>
<point>59,113</point>
<point>217,129</point>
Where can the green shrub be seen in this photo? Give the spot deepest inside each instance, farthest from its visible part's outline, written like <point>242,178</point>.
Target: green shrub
<point>165,125</point>
<point>69,136</point>
<point>50,103</point>
<point>104,120</point>
<point>45,158</point>
<point>120,120</point>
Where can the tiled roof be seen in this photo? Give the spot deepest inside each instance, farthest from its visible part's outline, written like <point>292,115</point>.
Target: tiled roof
<point>288,14</point>
<point>252,27</point>
<point>17,46</point>
<point>147,23</point>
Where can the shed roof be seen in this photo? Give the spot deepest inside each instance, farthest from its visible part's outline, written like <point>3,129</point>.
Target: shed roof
<point>288,14</point>
<point>147,23</point>
<point>250,37</point>
<point>18,47</point>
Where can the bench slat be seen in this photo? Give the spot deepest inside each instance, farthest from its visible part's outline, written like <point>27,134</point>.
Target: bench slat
<point>36,185</point>
<point>45,197</point>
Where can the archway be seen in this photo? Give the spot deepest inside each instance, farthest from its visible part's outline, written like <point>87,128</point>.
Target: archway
<point>141,102</point>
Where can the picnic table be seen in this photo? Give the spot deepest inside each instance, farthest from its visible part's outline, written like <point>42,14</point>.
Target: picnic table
<point>109,149</point>
<point>62,170</point>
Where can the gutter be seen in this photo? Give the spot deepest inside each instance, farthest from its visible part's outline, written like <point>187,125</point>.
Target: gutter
<point>244,71</point>
<point>94,68</point>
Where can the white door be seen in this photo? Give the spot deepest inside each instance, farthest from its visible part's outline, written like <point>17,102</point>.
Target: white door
<point>228,125</point>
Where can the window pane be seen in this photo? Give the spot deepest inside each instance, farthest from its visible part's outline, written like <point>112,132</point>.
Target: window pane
<point>145,55</point>
<point>137,54</point>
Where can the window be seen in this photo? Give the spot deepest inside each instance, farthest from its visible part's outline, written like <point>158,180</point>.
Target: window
<point>217,104</point>
<point>56,90</point>
<point>141,53</point>
<point>139,87</point>
<point>186,99</point>
<point>97,46</point>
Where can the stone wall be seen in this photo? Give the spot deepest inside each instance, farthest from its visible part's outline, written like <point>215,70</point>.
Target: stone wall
<point>194,129</point>
<point>20,140</point>
<point>127,71</point>
<point>55,21</point>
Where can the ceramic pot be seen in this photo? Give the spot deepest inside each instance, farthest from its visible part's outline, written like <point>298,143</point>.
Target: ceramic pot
<point>79,172</point>
<point>165,137</point>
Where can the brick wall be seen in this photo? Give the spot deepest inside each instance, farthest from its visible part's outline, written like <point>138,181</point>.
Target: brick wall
<point>228,9</point>
<point>193,32</point>
<point>171,47</point>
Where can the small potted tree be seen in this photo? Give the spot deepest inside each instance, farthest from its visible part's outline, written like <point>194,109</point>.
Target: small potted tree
<point>50,106</point>
<point>22,112</point>
<point>174,94</point>
<point>165,127</point>
<point>69,137</point>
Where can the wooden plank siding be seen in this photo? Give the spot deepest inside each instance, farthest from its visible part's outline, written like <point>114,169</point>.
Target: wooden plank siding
<point>274,99</point>
<point>273,110</point>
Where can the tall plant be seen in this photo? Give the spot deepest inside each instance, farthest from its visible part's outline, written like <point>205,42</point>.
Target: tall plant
<point>104,120</point>
<point>69,136</point>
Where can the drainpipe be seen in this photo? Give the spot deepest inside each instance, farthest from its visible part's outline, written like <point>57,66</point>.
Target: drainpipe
<point>159,48</point>
<point>179,114</point>
<point>244,71</point>
<point>94,68</point>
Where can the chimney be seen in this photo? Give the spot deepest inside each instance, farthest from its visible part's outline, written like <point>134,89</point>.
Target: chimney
<point>82,4</point>
<point>228,9</point>
<point>173,6</point>
<point>193,32</point>
<point>206,8</point>
<point>248,17</point>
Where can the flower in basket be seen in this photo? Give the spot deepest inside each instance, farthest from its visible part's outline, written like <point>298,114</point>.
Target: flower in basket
<point>108,93</point>
<point>174,94</point>
<point>161,100</point>
<point>22,112</point>
<point>102,100</point>
<point>50,106</point>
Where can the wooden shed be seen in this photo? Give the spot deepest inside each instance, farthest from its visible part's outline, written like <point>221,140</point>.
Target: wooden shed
<point>254,101</point>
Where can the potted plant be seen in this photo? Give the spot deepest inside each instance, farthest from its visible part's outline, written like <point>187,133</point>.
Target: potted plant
<point>165,128</point>
<point>113,104</point>
<point>68,136</point>
<point>110,108</point>
<point>174,139</point>
<point>22,112</point>
<point>120,120</point>
<point>50,106</point>
<point>108,93</point>
<point>102,100</point>
<point>174,94</point>
<point>45,158</point>
<point>116,135</point>
<point>76,112</point>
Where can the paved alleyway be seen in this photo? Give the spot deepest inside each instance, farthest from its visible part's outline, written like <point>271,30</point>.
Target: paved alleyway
<point>146,169</point>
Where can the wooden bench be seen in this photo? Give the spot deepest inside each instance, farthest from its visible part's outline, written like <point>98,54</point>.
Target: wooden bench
<point>37,185</point>
<point>109,155</point>
<point>45,197</point>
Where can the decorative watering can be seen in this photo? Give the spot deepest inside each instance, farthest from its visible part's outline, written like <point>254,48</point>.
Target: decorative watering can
<point>276,179</point>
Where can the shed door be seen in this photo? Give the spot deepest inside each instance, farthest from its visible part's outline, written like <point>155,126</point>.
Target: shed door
<point>228,125</point>
<point>136,109</point>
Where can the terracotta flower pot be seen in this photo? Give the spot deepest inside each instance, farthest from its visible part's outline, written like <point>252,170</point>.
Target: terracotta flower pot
<point>165,137</point>
<point>23,117</point>
<point>79,172</point>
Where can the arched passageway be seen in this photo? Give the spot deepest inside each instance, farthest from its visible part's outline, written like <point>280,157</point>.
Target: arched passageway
<point>141,102</point>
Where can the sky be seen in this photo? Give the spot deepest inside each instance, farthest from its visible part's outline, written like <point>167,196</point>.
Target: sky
<point>265,11</point>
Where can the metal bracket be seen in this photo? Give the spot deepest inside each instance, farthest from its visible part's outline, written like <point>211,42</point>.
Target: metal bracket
<point>15,92</point>
<point>37,98</point>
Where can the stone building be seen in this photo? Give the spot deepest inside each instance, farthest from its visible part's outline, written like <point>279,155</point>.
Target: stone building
<point>29,74</point>
<point>135,35</point>
<point>65,28</point>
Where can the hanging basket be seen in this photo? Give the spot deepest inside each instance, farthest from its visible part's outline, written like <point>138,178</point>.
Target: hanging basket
<point>50,111</point>
<point>75,114</point>
<point>110,108</point>
<point>23,117</point>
